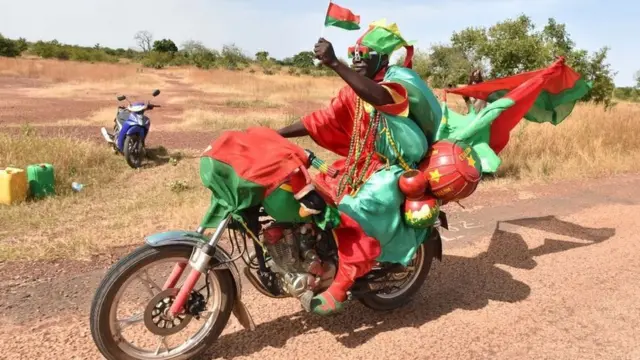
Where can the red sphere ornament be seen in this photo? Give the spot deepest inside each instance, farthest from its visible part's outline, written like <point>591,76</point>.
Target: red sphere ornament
<point>452,169</point>
<point>421,212</point>
<point>413,184</point>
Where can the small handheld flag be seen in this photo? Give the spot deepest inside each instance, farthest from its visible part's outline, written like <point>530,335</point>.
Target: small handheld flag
<point>341,17</point>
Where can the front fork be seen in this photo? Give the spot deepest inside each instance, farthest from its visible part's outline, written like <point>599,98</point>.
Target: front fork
<point>200,262</point>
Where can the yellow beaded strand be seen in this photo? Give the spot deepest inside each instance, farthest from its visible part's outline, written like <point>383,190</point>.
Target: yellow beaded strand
<point>401,160</point>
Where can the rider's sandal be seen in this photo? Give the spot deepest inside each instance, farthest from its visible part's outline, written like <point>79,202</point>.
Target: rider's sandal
<point>325,304</point>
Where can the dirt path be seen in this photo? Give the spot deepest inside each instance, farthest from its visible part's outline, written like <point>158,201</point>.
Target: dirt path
<point>546,274</point>
<point>43,113</point>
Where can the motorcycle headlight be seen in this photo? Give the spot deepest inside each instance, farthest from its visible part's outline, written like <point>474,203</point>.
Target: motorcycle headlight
<point>140,119</point>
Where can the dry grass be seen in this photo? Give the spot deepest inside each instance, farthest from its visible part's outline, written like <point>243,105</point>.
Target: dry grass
<point>201,119</point>
<point>99,117</point>
<point>272,88</point>
<point>69,79</point>
<point>106,215</point>
<point>64,71</point>
<point>589,143</point>
<point>73,159</point>
<point>119,206</point>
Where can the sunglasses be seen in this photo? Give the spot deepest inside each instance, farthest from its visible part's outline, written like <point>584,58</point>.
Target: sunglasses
<point>360,52</point>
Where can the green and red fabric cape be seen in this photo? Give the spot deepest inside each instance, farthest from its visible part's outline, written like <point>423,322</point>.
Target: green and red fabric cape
<point>546,95</point>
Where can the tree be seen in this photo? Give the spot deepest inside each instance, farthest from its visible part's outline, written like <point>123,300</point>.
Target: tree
<point>514,46</point>
<point>22,44</point>
<point>191,47</point>
<point>472,43</point>
<point>165,46</point>
<point>144,39</point>
<point>595,69</point>
<point>199,55</point>
<point>446,65</point>
<point>557,39</point>
<point>303,59</point>
<point>262,56</point>
<point>637,78</point>
<point>232,56</point>
<point>8,47</point>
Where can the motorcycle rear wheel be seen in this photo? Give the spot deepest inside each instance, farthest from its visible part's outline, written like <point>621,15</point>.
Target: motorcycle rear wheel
<point>422,263</point>
<point>106,328</point>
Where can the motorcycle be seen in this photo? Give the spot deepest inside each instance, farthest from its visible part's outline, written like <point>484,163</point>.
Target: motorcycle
<point>299,261</point>
<point>130,129</point>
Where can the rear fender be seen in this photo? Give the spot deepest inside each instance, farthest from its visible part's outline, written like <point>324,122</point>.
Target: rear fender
<point>435,237</point>
<point>221,258</point>
<point>436,241</point>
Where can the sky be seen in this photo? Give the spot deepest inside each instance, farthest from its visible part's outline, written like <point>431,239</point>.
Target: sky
<point>286,27</point>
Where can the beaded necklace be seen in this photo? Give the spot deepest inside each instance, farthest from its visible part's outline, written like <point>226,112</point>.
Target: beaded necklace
<point>357,146</point>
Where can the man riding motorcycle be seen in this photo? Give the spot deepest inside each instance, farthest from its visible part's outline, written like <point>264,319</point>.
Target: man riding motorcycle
<point>382,123</point>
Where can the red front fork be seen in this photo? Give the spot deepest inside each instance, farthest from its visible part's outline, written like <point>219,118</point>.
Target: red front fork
<point>185,291</point>
<point>176,273</point>
<point>200,262</point>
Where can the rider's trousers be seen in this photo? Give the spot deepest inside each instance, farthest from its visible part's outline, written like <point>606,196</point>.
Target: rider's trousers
<point>357,254</point>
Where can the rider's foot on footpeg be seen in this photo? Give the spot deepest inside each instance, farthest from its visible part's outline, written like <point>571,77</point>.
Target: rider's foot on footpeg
<point>325,304</point>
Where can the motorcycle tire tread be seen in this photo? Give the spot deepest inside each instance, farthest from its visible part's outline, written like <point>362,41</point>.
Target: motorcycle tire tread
<point>121,270</point>
<point>375,303</point>
<point>127,154</point>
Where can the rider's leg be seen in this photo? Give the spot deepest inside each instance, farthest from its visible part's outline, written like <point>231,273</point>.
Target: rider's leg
<point>357,254</point>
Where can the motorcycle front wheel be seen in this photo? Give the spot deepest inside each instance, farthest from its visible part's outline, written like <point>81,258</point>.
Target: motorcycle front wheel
<point>135,326</point>
<point>404,284</point>
<point>133,150</point>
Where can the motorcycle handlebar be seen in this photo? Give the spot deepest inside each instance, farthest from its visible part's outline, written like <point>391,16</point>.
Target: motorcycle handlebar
<point>321,165</point>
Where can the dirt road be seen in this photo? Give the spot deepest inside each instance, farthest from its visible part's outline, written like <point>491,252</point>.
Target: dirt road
<point>527,274</point>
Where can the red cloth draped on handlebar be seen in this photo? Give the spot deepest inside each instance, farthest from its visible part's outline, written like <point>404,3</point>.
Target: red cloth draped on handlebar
<point>259,155</point>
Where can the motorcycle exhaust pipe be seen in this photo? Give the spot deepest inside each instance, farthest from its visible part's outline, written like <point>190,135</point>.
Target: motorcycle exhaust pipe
<point>199,262</point>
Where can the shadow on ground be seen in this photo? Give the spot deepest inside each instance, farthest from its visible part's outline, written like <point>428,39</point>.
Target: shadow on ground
<point>159,156</point>
<point>456,283</point>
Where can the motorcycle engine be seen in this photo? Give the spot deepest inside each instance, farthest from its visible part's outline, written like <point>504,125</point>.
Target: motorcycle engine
<point>300,257</point>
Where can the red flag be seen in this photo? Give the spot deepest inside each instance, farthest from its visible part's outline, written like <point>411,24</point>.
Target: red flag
<point>546,95</point>
<point>341,17</point>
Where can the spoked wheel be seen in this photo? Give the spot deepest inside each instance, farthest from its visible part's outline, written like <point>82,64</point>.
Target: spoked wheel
<point>133,150</point>
<point>129,313</point>
<point>396,289</point>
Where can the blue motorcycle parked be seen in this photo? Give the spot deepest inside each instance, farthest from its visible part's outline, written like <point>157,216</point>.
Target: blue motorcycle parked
<point>130,129</point>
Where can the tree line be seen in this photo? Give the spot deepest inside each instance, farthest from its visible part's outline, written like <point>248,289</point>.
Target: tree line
<point>506,48</point>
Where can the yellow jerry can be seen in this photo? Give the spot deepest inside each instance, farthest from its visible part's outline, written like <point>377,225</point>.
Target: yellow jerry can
<point>13,186</point>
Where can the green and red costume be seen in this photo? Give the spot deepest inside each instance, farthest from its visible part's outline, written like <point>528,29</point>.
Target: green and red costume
<point>378,144</point>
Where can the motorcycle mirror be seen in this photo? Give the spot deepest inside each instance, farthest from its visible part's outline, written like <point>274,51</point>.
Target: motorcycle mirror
<point>156,92</point>
<point>121,97</point>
